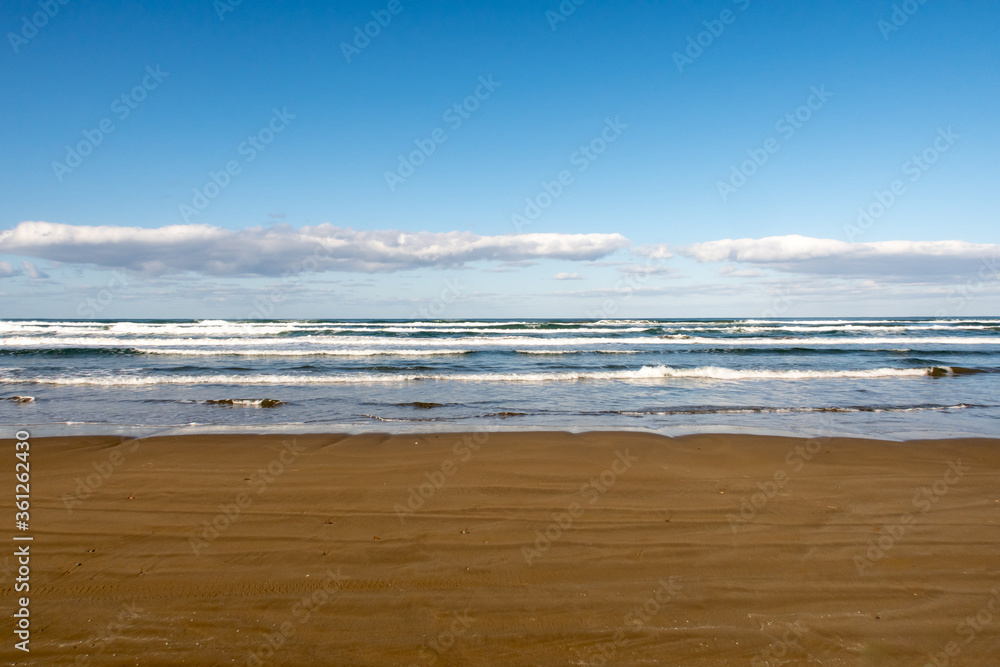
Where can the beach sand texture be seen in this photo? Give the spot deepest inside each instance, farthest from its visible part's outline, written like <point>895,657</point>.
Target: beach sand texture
<point>381,549</point>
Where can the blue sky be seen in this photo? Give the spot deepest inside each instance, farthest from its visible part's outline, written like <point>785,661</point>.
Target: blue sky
<point>646,110</point>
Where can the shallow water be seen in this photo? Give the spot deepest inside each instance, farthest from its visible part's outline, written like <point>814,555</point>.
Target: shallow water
<point>873,377</point>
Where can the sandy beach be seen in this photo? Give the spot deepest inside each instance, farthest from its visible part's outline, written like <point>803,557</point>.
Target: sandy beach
<point>540,548</point>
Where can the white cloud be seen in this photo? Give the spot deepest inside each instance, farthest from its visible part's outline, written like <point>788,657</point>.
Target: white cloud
<point>733,272</point>
<point>653,251</point>
<point>650,269</point>
<point>624,291</point>
<point>33,271</point>
<point>282,249</point>
<point>567,276</point>
<point>803,254</point>
<point>28,269</point>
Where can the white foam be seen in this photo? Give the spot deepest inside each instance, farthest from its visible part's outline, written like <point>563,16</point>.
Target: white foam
<point>472,342</point>
<point>553,352</point>
<point>317,352</point>
<point>629,322</point>
<point>644,373</point>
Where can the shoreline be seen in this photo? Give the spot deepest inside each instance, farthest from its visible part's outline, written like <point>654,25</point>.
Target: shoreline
<point>512,547</point>
<point>86,430</point>
<point>891,378</point>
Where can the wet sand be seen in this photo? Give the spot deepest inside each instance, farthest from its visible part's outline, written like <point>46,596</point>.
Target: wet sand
<point>509,549</point>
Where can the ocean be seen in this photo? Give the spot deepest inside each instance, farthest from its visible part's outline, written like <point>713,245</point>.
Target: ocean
<point>888,378</point>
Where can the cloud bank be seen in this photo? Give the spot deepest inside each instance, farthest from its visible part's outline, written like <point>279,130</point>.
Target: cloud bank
<point>803,254</point>
<point>282,249</point>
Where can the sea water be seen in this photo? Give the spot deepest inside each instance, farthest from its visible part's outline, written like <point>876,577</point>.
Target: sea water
<point>871,377</point>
